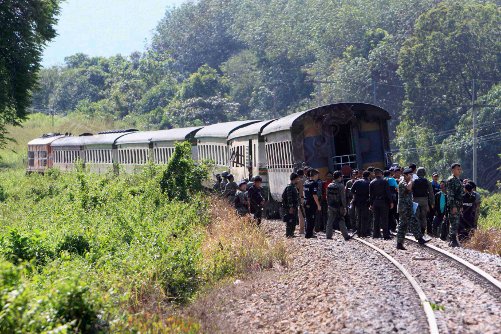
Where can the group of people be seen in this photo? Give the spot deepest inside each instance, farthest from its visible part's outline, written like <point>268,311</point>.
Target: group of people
<point>246,196</point>
<point>370,202</point>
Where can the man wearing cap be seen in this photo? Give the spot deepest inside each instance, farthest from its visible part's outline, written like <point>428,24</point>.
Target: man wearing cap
<point>422,193</point>
<point>336,201</point>
<point>405,211</point>
<point>291,205</point>
<point>224,182</point>
<point>360,191</point>
<point>217,186</point>
<point>230,189</point>
<point>311,202</point>
<point>241,199</point>
<point>256,199</point>
<point>380,204</point>
<point>454,202</point>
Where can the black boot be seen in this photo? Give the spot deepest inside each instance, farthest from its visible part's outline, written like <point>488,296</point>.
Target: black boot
<point>422,241</point>
<point>347,238</point>
<point>400,246</point>
<point>454,242</point>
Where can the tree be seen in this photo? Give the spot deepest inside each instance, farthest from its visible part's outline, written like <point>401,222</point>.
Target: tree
<point>451,45</point>
<point>26,26</point>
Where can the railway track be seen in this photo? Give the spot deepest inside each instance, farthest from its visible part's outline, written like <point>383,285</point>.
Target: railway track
<point>481,274</point>
<point>464,298</point>
<point>427,306</point>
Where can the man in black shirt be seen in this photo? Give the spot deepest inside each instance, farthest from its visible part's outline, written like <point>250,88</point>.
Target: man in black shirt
<point>360,191</point>
<point>291,205</point>
<point>256,199</point>
<point>380,203</point>
<point>467,220</point>
<point>311,202</point>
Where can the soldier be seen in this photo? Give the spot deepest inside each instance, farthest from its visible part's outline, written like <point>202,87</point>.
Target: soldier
<point>467,221</point>
<point>241,199</point>
<point>224,182</point>
<point>360,191</point>
<point>392,214</point>
<point>454,202</point>
<point>380,204</point>
<point>291,204</point>
<point>300,189</point>
<point>439,226</point>
<point>336,201</point>
<point>422,192</point>
<point>256,199</point>
<point>478,201</point>
<point>311,202</point>
<point>405,211</point>
<point>230,189</point>
<point>349,199</point>
<point>217,186</point>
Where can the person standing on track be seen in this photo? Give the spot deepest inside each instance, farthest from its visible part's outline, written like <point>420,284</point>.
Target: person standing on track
<point>422,192</point>
<point>291,199</point>
<point>380,204</point>
<point>454,202</point>
<point>360,191</point>
<point>349,198</point>
<point>311,202</point>
<point>336,201</point>
<point>405,211</point>
<point>300,189</point>
<point>256,199</point>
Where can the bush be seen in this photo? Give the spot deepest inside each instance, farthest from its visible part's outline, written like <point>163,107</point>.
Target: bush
<point>19,248</point>
<point>74,244</point>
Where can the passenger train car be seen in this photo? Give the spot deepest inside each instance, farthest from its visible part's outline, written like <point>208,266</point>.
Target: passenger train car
<point>333,137</point>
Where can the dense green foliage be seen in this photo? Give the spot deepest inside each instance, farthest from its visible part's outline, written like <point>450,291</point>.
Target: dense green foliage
<point>25,26</point>
<point>219,60</point>
<point>90,253</point>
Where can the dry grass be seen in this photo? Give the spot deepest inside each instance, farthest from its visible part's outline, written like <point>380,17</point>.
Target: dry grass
<point>235,246</point>
<point>486,240</point>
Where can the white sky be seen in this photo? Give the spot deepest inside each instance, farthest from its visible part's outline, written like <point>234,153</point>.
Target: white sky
<point>104,27</point>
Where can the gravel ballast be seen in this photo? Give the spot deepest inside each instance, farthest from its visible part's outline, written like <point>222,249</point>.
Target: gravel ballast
<point>331,286</point>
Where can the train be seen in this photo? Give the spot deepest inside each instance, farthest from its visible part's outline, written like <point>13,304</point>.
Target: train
<point>341,136</point>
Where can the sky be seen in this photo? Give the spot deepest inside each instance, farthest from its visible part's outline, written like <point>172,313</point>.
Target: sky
<point>104,27</point>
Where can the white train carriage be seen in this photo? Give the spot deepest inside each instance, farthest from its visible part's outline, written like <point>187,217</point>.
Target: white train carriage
<point>138,148</point>
<point>40,155</point>
<point>247,152</point>
<point>212,143</point>
<point>97,152</point>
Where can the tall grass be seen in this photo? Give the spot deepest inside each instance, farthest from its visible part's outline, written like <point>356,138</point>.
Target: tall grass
<point>487,238</point>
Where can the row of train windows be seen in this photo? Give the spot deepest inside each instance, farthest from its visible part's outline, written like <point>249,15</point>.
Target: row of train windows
<point>279,155</point>
<point>64,157</point>
<point>161,155</point>
<point>216,153</point>
<point>238,156</point>
<point>133,156</point>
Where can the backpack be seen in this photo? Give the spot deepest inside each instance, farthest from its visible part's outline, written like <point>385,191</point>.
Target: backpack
<point>285,203</point>
<point>334,196</point>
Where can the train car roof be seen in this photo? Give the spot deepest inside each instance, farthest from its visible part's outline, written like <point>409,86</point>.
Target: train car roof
<point>222,130</point>
<point>287,122</point>
<point>180,134</point>
<point>100,139</point>
<point>250,130</point>
<point>45,140</point>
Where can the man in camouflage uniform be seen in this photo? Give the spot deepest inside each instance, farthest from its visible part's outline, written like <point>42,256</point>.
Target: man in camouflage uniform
<point>454,202</point>
<point>291,205</point>
<point>336,201</point>
<point>405,211</point>
<point>230,189</point>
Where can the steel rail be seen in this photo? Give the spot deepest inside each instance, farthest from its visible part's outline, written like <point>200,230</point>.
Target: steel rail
<point>428,310</point>
<point>471,267</point>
